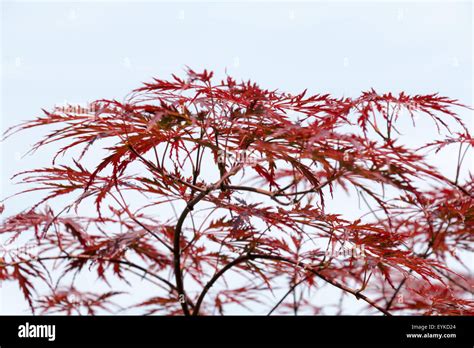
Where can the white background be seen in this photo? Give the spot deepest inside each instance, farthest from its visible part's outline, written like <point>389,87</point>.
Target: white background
<point>57,52</point>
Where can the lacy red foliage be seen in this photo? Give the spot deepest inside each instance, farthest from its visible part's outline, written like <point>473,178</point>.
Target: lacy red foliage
<point>249,173</point>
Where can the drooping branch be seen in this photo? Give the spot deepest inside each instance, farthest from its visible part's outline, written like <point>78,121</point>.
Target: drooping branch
<point>145,271</point>
<point>300,264</point>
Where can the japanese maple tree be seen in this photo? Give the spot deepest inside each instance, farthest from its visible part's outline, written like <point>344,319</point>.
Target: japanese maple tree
<point>217,193</point>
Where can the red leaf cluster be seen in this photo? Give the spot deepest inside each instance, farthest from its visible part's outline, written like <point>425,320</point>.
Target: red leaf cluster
<point>249,173</point>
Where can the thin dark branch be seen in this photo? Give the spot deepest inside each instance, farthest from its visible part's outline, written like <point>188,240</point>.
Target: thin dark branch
<point>249,257</point>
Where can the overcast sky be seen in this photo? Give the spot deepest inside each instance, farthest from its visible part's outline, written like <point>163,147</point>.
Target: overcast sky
<point>57,52</point>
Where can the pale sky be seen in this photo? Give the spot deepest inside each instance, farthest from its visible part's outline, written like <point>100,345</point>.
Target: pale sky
<point>57,52</point>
